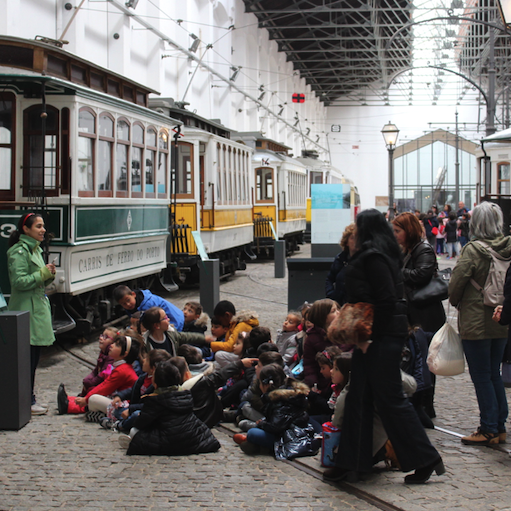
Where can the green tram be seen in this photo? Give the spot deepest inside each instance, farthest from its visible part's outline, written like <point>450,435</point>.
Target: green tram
<point>79,144</point>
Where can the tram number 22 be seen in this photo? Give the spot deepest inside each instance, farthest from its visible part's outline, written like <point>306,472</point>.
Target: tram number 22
<point>6,229</point>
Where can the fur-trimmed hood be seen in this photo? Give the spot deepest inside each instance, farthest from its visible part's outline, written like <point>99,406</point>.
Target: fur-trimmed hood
<point>246,316</point>
<point>202,320</point>
<point>294,388</point>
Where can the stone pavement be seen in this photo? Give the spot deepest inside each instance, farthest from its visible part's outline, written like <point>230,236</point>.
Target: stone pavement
<point>62,462</point>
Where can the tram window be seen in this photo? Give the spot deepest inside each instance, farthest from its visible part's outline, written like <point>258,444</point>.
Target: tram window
<point>105,155</point>
<point>219,173</point>
<point>7,105</point>
<point>183,184</point>
<point>264,184</point>
<point>122,157</point>
<point>40,157</point>
<point>150,162</point>
<point>137,153</point>
<point>503,179</point>
<point>163,158</point>
<point>87,134</point>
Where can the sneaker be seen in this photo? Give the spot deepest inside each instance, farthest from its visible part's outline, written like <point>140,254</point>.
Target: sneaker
<point>239,438</point>
<point>479,437</point>
<point>94,416</point>
<point>62,400</point>
<point>246,424</point>
<point>124,441</point>
<point>107,423</point>
<point>37,409</point>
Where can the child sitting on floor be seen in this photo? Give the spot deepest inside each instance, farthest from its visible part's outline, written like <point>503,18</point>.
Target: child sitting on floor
<point>142,300</point>
<point>193,357</point>
<point>103,364</point>
<point>195,319</point>
<point>167,425</point>
<point>121,417</point>
<point>286,338</point>
<point>124,351</point>
<point>161,334</point>
<point>218,330</point>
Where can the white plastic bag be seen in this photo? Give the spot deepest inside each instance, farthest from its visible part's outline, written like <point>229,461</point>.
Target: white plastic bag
<point>445,354</point>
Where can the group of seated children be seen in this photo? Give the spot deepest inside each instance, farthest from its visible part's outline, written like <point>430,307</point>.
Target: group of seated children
<point>164,386</point>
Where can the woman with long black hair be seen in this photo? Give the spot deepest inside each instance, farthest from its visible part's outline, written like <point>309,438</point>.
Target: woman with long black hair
<point>29,275</point>
<point>374,276</point>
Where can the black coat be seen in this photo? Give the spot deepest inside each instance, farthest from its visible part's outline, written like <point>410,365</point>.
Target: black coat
<point>169,427</point>
<point>134,395</point>
<point>206,405</point>
<point>335,288</point>
<point>419,268</point>
<point>372,277</point>
<point>285,406</point>
<point>429,223</point>
<point>505,316</point>
<point>451,231</point>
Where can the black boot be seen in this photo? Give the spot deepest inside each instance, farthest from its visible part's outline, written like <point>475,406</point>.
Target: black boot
<point>62,400</point>
<point>421,475</point>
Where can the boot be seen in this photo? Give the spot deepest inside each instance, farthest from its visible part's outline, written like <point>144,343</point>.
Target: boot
<point>428,397</point>
<point>62,400</point>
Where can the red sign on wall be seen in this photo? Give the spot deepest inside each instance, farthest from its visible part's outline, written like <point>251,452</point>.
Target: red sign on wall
<point>298,98</point>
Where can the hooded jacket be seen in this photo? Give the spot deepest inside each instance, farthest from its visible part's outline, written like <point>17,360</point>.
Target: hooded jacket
<point>199,325</point>
<point>244,321</point>
<point>29,276</point>
<point>475,318</point>
<point>169,427</point>
<point>285,406</point>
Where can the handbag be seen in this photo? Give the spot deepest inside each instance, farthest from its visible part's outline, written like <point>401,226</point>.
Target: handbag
<point>353,325</point>
<point>437,289</point>
<point>446,357</point>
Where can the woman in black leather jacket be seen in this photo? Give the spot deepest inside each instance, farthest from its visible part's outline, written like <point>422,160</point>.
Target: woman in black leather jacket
<point>374,276</point>
<point>419,266</point>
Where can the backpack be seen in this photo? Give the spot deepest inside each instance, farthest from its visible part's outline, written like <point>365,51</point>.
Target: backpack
<point>493,290</point>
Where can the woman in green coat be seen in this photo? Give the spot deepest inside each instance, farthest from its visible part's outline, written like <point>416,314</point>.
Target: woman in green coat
<point>29,276</point>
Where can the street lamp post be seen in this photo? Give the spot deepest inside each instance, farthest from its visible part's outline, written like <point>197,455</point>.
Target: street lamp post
<point>390,134</point>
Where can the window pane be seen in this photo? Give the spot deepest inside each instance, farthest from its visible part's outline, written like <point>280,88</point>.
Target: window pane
<point>85,151</point>
<point>104,165</point>
<point>121,167</point>
<point>264,184</point>
<point>138,134</point>
<point>5,121</point>
<point>151,138</point>
<point>38,167</point>
<point>136,169</point>
<point>106,126</point>
<point>184,173</point>
<point>5,168</point>
<point>163,142</point>
<point>123,130</point>
<point>149,171</point>
<point>86,122</point>
<point>162,173</point>
<point>504,171</point>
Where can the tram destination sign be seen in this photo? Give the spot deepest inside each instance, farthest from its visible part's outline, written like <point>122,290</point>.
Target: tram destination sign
<point>115,262</point>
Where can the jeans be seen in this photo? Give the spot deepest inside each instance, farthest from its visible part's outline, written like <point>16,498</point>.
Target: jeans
<point>463,241</point>
<point>260,437</point>
<point>484,357</point>
<point>451,248</point>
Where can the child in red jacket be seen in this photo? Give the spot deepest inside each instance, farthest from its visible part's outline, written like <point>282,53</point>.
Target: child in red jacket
<point>124,351</point>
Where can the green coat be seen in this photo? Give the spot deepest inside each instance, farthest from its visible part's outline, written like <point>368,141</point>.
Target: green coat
<point>29,276</point>
<point>474,318</point>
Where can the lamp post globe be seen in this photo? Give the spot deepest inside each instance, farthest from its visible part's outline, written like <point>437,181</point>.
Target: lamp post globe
<point>390,133</point>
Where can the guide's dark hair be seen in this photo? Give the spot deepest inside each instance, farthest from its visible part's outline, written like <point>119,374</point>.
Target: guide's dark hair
<point>28,219</point>
<point>373,231</point>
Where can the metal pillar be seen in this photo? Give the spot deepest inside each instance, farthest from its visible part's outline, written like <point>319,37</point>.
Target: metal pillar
<point>457,166</point>
<point>209,284</point>
<point>280,258</point>
<point>391,183</point>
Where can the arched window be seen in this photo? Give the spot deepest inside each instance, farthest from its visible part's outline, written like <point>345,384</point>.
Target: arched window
<point>86,146</point>
<point>122,157</point>
<point>163,163</point>
<point>40,157</point>
<point>150,162</point>
<point>105,154</point>
<point>137,159</point>
<point>264,184</point>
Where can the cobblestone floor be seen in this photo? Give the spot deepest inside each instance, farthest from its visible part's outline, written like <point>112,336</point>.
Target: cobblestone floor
<point>62,462</point>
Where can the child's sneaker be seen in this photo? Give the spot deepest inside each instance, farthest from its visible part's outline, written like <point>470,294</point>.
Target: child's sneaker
<point>94,416</point>
<point>124,440</point>
<point>107,423</point>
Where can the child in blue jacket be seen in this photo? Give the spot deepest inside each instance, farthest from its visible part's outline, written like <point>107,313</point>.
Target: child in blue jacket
<point>142,300</point>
